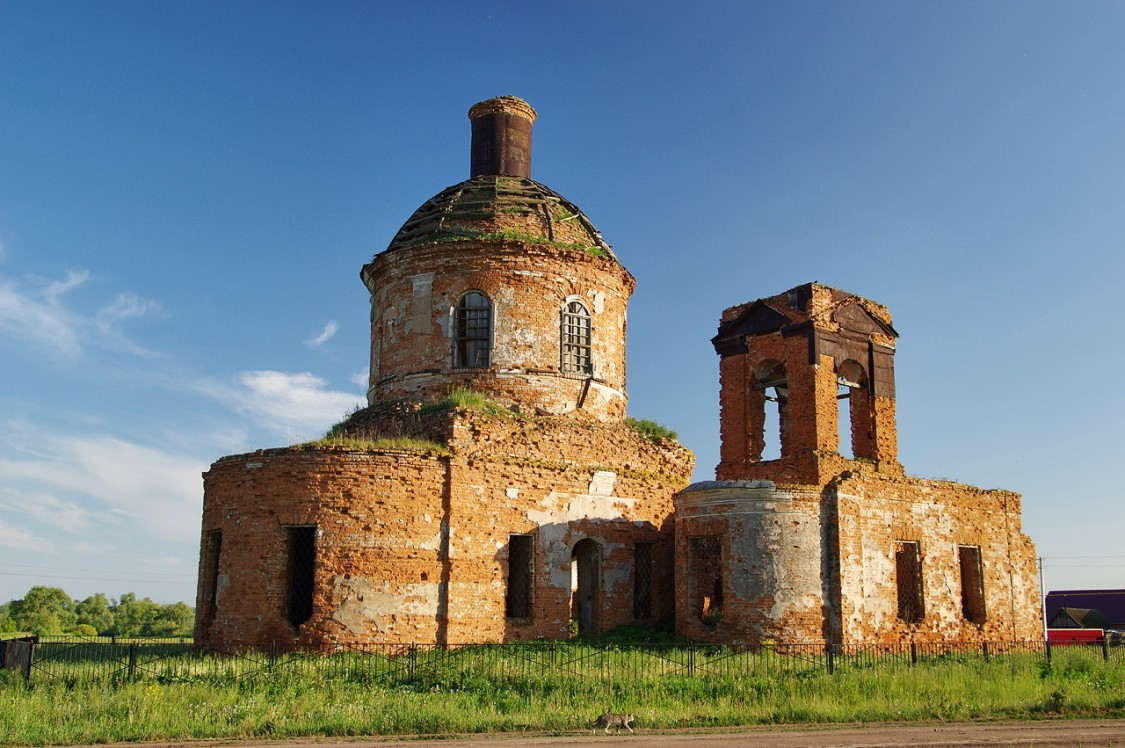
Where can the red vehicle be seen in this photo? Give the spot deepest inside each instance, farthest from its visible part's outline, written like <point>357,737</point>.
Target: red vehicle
<point>1075,636</point>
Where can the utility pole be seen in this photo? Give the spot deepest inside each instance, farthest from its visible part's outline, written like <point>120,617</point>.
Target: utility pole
<point>1042,598</point>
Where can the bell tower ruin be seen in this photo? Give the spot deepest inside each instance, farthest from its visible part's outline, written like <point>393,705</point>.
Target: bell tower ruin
<point>812,530</point>
<point>800,354</point>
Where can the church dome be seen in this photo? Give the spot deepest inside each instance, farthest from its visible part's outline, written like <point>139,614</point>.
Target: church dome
<point>501,207</point>
<point>500,284</point>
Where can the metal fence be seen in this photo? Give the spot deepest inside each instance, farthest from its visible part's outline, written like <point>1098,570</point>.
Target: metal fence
<point>79,660</point>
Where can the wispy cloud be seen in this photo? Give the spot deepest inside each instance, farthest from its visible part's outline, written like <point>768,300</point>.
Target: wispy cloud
<point>324,336</point>
<point>38,316</point>
<point>293,406</point>
<point>45,509</point>
<point>19,539</point>
<point>36,311</point>
<point>77,484</point>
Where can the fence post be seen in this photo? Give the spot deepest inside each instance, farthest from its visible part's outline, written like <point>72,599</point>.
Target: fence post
<point>412,660</point>
<point>829,662</point>
<point>1047,649</point>
<point>691,660</point>
<point>984,649</point>
<point>132,660</point>
<point>30,658</point>
<point>913,653</point>
<point>1105,647</point>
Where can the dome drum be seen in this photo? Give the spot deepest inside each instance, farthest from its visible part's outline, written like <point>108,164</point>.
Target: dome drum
<point>538,328</point>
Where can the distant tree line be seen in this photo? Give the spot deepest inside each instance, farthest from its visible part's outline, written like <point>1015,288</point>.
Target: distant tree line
<point>49,610</point>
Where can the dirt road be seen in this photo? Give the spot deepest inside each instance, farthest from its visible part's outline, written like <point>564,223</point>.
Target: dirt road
<point>1088,733</point>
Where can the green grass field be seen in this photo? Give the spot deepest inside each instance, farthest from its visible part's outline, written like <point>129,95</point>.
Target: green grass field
<point>172,696</point>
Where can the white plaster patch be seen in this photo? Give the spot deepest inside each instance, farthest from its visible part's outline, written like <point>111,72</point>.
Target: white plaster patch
<point>554,518</point>
<point>602,483</point>
<point>363,603</point>
<point>512,493</point>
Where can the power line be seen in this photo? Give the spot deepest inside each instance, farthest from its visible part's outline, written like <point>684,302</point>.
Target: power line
<point>102,571</point>
<point>91,579</point>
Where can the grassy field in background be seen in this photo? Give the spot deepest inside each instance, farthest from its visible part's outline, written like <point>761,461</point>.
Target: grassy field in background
<point>292,703</point>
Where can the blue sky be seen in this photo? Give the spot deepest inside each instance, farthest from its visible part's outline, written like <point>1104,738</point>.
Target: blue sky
<point>188,191</point>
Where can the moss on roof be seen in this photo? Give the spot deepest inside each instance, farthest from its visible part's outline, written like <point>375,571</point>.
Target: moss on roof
<point>499,208</point>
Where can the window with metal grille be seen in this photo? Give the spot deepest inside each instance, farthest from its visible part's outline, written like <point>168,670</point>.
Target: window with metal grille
<point>517,601</point>
<point>908,580</point>
<point>301,570</point>
<point>472,331</point>
<point>706,577</point>
<point>972,583</point>
<point>575,338</point>
<point>642,580</point>
<point>211,571</point>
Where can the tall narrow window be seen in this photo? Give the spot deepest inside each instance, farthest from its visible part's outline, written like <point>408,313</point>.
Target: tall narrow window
<point>301,570</point>
<point>908,580</point>
<point>972,583</point>
<point>642,580</point>
<point>211,571</point>
<point>472,333</point>
<point>517,601</point>
<point>576,339</point>
<point>706,577</point>
<point>768,438</point>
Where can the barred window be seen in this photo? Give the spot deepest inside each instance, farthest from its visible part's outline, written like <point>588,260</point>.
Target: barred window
<point>472,331</point>
<point>908,580</point>
<point>301,573</point>
<point>517,601</point>
<point>972,583</point>
<point>576,339</point>
<point>706,577</point>
<point>642,581</point>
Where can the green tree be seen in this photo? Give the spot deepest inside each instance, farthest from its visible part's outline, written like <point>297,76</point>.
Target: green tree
<point>177,619</point>
<point>7,625</point>
<point>44,610</point>
<point>95,611</point>
<point>133,617</point>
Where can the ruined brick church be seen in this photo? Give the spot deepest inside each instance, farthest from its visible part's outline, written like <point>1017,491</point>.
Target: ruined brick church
<point>531,507</point>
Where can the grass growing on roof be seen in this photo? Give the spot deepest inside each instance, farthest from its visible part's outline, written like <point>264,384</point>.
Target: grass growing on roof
<point>399,444</point>
<point>464,398</point>
<point>651,429</point>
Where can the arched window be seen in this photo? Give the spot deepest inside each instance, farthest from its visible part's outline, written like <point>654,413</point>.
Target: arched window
<point>472,331</point>
<point>769,423</point>
<point>856,419</point>
<point>575,338</point>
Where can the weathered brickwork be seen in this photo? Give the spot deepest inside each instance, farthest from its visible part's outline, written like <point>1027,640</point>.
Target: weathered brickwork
<point>816,546</point>
<point>415,292</point>
<point>543,510</point>
<point>414,547</point>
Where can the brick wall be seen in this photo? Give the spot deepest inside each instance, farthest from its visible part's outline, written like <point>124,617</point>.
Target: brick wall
<point>414,547</point>
<point>415,290</point>
<point>808,540</point>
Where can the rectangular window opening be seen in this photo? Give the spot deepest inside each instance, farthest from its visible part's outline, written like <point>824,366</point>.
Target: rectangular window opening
<point>517,601</point>
<point>972,583</point>
<point>211,571</point>
<point>908,580</point>
<point>706,577</point>
<point>642,581</point>
<point>300,572</point>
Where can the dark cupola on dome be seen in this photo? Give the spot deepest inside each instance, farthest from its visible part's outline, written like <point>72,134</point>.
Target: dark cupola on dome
<point>500,284</point>
<point>500,200</point>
